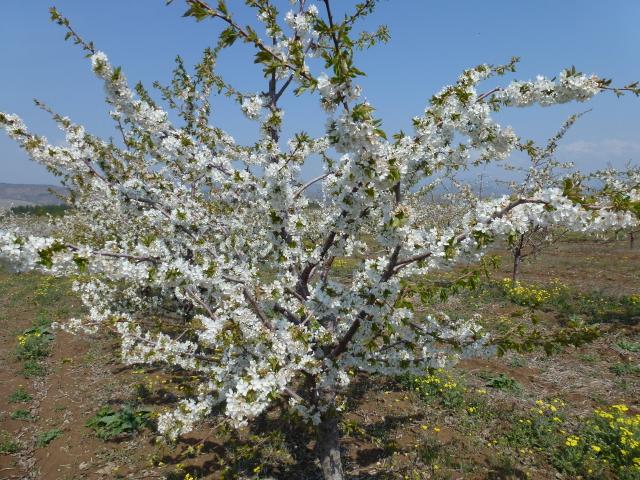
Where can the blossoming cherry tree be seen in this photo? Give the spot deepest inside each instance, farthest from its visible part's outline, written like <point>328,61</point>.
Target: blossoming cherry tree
<point>177,224</point>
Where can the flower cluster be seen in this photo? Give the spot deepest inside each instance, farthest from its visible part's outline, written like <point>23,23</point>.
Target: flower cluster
<point>439,385</point>
<point>530,295</point>
<point>608,441</point>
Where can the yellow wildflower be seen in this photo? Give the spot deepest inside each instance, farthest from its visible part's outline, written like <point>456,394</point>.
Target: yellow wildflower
<point>620,408</point>
<point>572,441</point>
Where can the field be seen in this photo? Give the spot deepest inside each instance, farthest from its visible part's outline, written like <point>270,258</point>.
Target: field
<point>70,410</point>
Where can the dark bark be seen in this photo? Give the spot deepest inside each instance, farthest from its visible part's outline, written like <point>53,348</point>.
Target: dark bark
<point>328,446</point>
<point>517,258</point>
<point>516,268</point>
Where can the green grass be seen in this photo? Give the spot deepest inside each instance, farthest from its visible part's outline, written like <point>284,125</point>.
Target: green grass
<point>596,307</point>
<point>621,369</point>
<point>629,346</point>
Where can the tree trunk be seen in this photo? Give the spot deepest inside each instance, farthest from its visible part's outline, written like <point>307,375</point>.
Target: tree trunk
<point>516,268</point>
<point>517,258</point>
<point>328,446</point>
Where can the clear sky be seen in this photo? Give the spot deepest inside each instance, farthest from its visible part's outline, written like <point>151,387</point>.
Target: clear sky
<point>431,42</point>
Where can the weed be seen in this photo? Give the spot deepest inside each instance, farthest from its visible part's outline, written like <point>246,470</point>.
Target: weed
<point>45,438</point>
<point>439,385</point>
<point>517,362</point>
<point>352,428</point>
<point>530,295</point>
<point>33,368</point>
<point>142,392</point>
<point>429,451</point>
<point>606,445</point>
<point>259,454</point>
<point>34,343</point>
<point>20,395</point>
<point>108,423</point>
<point>501,382</point>
<point>22,414</point>
<point>7,444</point>
<point>540,429</point>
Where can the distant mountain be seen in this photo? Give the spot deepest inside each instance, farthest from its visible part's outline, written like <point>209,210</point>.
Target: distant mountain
<point>15,194</point>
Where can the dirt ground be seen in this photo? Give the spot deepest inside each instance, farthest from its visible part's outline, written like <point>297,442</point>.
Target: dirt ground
<point>391,428</point>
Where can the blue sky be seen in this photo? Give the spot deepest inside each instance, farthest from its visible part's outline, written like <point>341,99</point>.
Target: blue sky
<point>431,42</point>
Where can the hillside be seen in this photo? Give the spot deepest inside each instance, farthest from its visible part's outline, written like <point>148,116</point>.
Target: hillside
<point>14,194</point>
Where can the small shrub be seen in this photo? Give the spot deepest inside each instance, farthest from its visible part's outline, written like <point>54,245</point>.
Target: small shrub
<point>20,395</point>
<point>109,424</point>
<point>45,438</point>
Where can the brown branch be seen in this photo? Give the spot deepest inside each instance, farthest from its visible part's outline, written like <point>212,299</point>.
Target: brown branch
<point>292,317</point>
<point>136,258</point>
<point>256,309</point>
<point>342,344</point>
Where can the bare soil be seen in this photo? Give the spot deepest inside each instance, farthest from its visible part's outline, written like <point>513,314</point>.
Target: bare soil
<point>389,431</point>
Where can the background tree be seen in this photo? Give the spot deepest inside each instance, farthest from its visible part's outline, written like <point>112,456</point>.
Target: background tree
<point>543,171</point>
